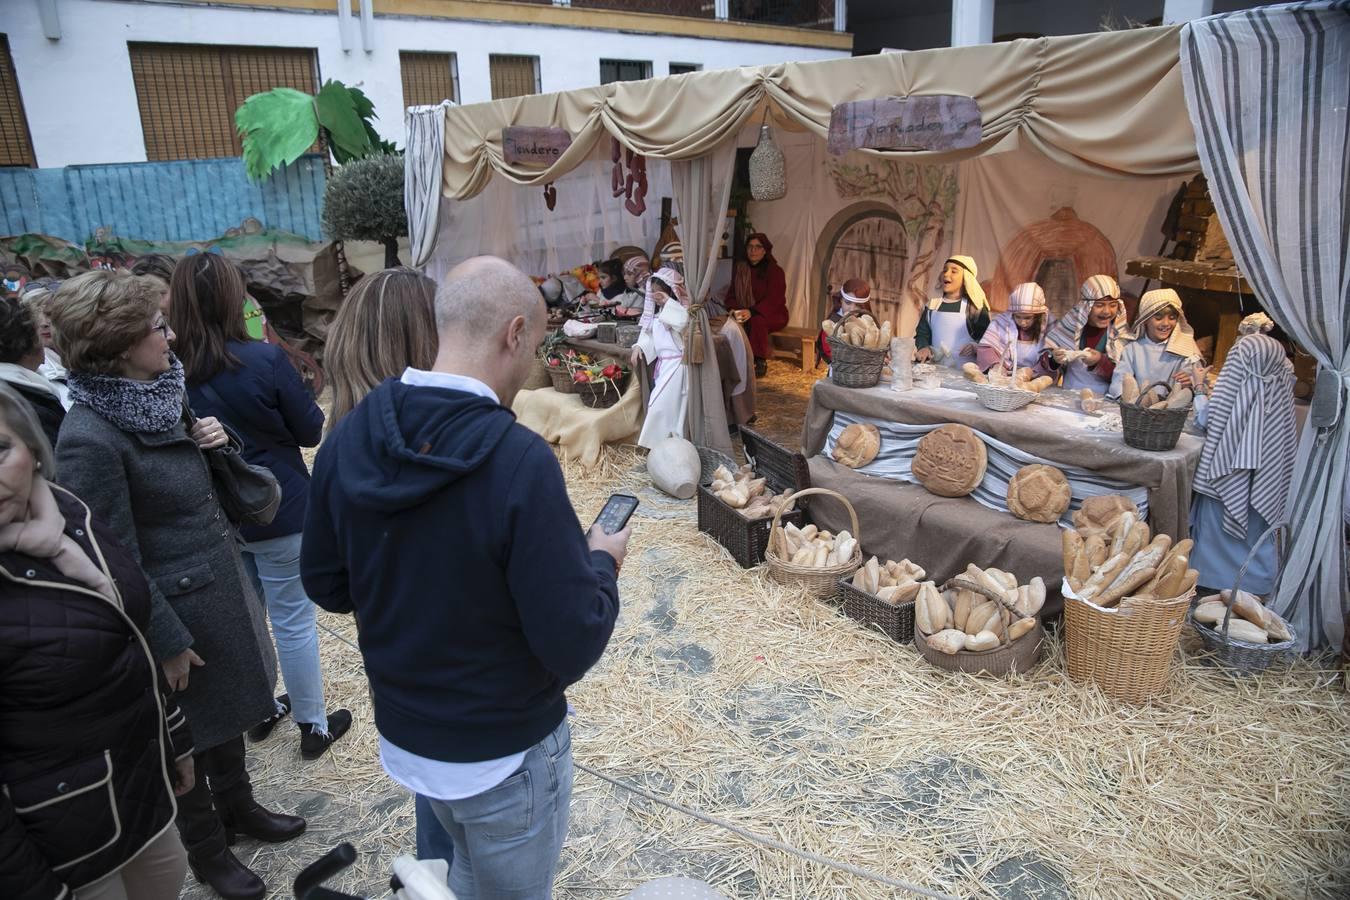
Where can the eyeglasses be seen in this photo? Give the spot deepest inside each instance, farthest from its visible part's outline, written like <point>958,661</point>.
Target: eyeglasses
<point>162,327</point>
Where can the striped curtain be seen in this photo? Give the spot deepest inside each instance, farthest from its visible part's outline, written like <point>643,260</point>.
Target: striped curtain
<point>1267,91</point>
<point>422,158</point>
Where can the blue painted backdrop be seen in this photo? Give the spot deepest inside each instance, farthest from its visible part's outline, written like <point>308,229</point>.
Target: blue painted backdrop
<point>191,200</point>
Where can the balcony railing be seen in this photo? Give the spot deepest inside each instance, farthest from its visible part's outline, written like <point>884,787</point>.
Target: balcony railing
<point>792,13</point>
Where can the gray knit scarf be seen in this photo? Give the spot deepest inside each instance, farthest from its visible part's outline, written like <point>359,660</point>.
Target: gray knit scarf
<point>137,406</point>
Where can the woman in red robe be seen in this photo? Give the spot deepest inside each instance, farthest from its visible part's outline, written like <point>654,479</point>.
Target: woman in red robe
<point>759,287</point>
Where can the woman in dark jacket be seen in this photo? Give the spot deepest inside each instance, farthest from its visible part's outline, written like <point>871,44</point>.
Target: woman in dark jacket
<point>92,748</point>
<point>20,357</point>
<point>760,286</point>
<point>253,388</point>
<point>126,450</point>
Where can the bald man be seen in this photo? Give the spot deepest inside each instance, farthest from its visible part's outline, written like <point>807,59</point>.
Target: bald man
<point>446,527</point>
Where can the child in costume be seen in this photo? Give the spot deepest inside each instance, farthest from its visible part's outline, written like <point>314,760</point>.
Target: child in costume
<point>661,345</point>
<point>1088,341</point>
<point>951,326</point>
<point>1016,338</point>
<point>1160,348</point>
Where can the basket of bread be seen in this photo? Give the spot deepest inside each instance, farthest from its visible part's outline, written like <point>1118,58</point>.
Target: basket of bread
<point>1153,416</point>
<point>1002,392</point>
<point>1243,634</point>
<point>981,621</point>
<point>858,348</point>
<point>736,505</point>
<point>810,558</point>
<point>881,595</point>
<point>1126,592</point>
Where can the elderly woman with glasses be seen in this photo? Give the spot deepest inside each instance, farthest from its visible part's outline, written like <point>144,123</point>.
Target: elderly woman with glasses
<point>1086,343</point>
<point>127,450</point>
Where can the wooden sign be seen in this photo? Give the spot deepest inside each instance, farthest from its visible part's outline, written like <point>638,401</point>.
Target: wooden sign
<point>526,145</point>
<point>935,122</point>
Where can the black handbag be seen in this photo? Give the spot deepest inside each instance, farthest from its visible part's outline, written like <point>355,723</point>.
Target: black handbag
<point>249,494</point>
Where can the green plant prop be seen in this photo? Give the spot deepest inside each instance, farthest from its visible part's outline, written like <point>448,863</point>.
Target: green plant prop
<point>364,202</point>
<point>279,125</point>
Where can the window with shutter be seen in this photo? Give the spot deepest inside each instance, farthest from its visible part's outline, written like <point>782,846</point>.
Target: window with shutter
<point>428,78</point>
<point>188,93</point>
<point>513,76</point>
<point>612,70</point>
<point>16,145</point>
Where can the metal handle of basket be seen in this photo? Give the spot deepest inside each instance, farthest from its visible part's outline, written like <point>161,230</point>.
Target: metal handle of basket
<point>806,492</point>
<point>1281,531</point>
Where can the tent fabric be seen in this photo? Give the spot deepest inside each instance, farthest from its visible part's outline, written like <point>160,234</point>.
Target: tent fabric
<point>1108,103</point>
<point>1268,91</point>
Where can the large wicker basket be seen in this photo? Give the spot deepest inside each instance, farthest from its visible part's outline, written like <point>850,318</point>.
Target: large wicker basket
<point>1151,428</point>
<point>895,620</point>
<point>781,469</point>
<point>852,366</point>
<point>1244,657</point>
<point>1127,653</point>
<point>1003,399</point>
<point>823,581</point>
<point>1019,656</point>
<point>709,459</point>
<point>562,380</point>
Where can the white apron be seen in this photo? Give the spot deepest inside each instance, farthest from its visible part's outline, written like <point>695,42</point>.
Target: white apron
<point>1078,376</point>
<point>950,334</point>
<point>663,344</point>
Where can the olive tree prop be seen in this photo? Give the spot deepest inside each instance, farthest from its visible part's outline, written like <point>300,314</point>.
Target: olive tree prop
<point>364,202</point>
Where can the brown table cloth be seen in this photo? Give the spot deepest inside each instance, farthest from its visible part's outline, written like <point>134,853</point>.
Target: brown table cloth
<point>944,535</point>
<point>1052,429</point>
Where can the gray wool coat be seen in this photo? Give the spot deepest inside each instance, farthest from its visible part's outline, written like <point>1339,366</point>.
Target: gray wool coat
<point>156,494</point>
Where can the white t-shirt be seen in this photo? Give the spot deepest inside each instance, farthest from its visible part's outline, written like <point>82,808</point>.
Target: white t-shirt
<point>432,777</point>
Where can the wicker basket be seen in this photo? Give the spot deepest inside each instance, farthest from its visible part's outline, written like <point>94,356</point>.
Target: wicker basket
<point>781,470</point>
<point>1003,399</point>
<point>1127,653</point>
<point>600,394</point>
<point>627,335</point>
<point>1244,657</point>
<point>1019,656</point>
<point>709,459</point>
<point>562,380</point>
<point>852,366</point>
<point>895,620</point>
<point>1151,429</point>
<point>823,581</point>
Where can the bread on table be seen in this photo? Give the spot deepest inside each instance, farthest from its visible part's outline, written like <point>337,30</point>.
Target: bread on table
<point>858,445</point>
<point>951,461</point>
<point>1038,493</point>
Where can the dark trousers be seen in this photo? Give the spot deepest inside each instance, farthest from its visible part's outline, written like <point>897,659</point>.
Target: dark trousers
<point>221,778</point>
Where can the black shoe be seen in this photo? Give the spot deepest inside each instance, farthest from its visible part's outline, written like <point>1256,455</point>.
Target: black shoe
<point>314,743</point>
<point>761,368</point>
<point>260,731</point>
<point>241,814</point>
<point>227,876</point>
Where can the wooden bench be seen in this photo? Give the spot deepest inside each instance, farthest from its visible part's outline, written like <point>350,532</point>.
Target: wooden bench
<point>798,344</point>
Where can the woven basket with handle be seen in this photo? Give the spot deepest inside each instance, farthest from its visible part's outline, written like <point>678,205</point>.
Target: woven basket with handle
<point>1127,652</point>
<point>1244,657</point>
<point>820,581</point>
<point>1151,428</point>
<point>1001,398</point>
<point>851,366</point>
<point>1020,655</point>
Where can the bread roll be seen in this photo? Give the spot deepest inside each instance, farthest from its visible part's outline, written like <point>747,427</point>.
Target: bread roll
<point>980,614</point>
<point>949,641</point>
<point>1210,612</point>
<point>1180,398</point>
<point>1276,627</point>
<point>1242,630</point>
<point>985,640</point>
<point>964,601</point>
<point>1129,389</point>
<point>973,373</point>
<point>1019,628</point>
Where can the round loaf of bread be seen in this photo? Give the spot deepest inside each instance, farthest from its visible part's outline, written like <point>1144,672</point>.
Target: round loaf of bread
<point>858,445</point>
<point>1038,493</point>
<point>950,461</point>
<point>1099,513</point>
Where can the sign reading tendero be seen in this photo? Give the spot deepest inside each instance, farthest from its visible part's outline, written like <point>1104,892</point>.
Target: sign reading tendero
<point>525,145</point>
<point>934,122</point>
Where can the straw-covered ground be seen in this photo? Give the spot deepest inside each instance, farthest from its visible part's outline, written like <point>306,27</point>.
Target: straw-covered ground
<point>734,696</point>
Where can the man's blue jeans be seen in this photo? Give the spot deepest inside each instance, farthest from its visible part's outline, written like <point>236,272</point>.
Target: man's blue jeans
<point>432,840</point>
<point>508,839</point>
<point>274,566</point>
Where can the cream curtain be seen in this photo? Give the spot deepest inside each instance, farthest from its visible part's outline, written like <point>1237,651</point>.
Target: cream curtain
<point>425,127</point>
<point>1108,103</point>
<point>702,188</point>
<point>1268,91</point>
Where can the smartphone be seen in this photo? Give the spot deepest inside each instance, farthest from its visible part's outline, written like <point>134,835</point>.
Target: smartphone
<point>615,515</point>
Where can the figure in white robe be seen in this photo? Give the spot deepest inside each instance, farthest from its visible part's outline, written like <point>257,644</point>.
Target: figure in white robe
<point>1160,348</point>
<point>661,346</point>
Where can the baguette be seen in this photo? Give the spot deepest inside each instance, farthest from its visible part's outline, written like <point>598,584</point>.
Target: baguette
<point>1071,543</point>
<point>1123,586</point>
<point>1104,575</point>
<point>1095,548</point>
<point>1121,528</point>
<point>1129,389</point>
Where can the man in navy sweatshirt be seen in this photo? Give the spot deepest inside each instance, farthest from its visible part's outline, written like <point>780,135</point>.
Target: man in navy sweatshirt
<point>446,528</point>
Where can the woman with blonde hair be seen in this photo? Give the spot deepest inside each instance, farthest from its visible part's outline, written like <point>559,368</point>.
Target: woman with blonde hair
<point>127,449</point>
<point>386,324</point>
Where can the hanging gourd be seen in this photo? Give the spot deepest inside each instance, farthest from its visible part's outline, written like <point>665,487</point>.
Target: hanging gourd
<point>768,175</point>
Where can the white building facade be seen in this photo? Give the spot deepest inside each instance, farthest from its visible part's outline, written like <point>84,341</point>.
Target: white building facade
<point>116,81</point>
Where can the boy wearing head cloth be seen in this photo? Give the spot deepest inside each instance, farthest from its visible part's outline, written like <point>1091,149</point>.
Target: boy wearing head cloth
<point>1087,342</point>
<point>1160,348</point>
